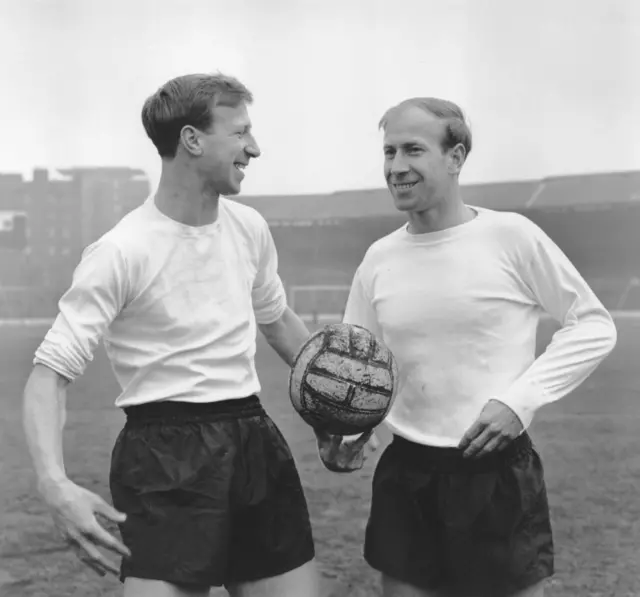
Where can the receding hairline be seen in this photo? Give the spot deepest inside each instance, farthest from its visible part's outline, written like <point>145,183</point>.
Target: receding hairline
<point>437,108</point>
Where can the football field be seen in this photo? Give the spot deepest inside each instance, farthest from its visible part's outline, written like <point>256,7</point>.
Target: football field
<point>590,443</point>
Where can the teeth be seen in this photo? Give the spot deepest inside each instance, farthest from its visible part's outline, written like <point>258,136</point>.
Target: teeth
<point>240,166</point>
<point>405,186</point>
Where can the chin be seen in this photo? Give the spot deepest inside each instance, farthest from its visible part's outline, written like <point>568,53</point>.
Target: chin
<point>404,204</point>
<point>231,189</point>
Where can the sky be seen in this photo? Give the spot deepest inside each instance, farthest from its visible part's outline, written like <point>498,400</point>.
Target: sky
<point>550,87</point>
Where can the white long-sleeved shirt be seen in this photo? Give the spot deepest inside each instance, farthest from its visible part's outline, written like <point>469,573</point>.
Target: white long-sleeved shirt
<point>459,309</point>
<point>176,306</point>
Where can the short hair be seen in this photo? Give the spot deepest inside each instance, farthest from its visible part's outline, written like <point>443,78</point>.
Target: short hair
<point>456,131</point>
<point>188,101</point>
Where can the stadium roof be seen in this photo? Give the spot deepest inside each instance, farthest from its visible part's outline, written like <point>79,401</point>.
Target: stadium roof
<point>587,190</point>
<point>378,202</point>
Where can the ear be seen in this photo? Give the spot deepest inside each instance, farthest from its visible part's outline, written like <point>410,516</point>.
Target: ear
<point>457,157</point>
<point>191,140</point>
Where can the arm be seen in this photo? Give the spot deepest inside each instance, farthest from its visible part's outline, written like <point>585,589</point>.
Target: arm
<point>587,335</point>
<point>94,299</point>
<point>286,335</point>
<point>283,329</point>
<point>44,416</point>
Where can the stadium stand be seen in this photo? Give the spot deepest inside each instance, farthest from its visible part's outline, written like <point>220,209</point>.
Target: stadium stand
<point>594,219</point>
<point>45,223</point>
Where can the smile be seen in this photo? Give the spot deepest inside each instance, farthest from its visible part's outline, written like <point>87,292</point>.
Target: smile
<point>405,186</point>
<point>240,166</point>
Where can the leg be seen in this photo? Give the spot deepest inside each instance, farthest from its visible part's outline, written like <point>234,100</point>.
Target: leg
<point>141,587</point>
<point>271,550</point>
<point>301,582</point>
<point>396,588</point>
<point>536,590</point>
<point>497,526</point>
<point>172,481</point>
<point>402,540</point>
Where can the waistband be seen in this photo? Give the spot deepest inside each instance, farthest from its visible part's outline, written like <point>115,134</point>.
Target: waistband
<point>450,460</point>
<point>180,411</point>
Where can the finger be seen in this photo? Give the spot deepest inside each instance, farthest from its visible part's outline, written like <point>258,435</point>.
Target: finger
<point>494,444</point>
<point>94,558</point>
<point>102,537</point>
<point>472,433</point>
<point>362,440</point>
<point>478,443</point>
<point>108,511</point>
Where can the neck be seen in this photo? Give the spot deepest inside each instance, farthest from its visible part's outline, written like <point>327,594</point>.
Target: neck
<point>183,197</point>
<point>448,212</point>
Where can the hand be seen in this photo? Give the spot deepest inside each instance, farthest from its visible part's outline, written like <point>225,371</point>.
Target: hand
<point>74,512</point>
<point>495,428</point>
<point>341,456</point>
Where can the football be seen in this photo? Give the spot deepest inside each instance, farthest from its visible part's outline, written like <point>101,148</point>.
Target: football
<point>343,380</point>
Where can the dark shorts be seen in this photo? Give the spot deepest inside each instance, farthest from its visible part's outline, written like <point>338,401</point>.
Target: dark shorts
<point>211,493</point>
<point>443,523</point>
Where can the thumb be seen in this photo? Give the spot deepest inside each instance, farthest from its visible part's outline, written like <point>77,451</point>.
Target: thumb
<point>374,442</point>
<point>362,440</point>
<point>108,511</point>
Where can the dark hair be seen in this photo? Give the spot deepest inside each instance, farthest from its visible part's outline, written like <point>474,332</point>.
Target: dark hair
<point>188,100</point>
<point>456,131</point>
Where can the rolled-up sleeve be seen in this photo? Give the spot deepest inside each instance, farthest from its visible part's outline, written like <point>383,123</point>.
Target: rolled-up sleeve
<point>268,294</point>
<point>97,294</point>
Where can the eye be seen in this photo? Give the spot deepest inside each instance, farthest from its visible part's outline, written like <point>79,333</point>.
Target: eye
<point>389,153</point>
<point>414,150</point>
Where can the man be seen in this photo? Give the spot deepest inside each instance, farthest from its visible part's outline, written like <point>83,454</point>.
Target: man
<point>459,504</point>
<point>205,489</point>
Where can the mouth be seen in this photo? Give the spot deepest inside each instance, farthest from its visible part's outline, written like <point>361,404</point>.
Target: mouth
<point>405,186</point>
<point>240,166</point>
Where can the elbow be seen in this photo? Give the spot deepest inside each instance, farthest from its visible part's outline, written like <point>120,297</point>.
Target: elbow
<point>603,331</point>
<point>610,336</point>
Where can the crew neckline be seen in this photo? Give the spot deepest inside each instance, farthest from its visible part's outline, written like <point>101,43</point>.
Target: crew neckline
<point>186,229</point>
<point>447,233</point>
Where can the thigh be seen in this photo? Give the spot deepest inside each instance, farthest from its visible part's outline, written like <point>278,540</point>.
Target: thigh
<point>507,543</point>
<point>392,587</point>
<point>141,587</point>
<point>271,532</point>
<point>172,482</point>
<point>301,582</point>
<point>536,590</point>
<point>402,539</point>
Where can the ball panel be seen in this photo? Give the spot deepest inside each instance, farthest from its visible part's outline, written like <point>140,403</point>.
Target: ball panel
<point>336,390</point>
<point>361,344</point>
<point>338,339</point>
<point>331,416</point>
<point>301,363</point>
<point>365,400</point>
<point>360,373</point>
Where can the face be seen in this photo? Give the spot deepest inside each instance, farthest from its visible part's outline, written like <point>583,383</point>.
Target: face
<point>418,171</point>
<point>224,151</point>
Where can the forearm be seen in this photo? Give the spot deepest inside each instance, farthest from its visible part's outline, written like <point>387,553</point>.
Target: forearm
<point>44,416</point>
<point>575,351</point>
<point>286,335</point>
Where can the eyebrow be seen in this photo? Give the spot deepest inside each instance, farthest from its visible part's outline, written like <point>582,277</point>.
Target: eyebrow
<point>405,145</point>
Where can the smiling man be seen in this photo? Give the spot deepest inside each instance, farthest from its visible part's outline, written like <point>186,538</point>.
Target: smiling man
<point>204,486</point>
<point>459,505</point>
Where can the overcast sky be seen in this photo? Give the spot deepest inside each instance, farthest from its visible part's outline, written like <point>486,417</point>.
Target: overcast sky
<point>550,86</point>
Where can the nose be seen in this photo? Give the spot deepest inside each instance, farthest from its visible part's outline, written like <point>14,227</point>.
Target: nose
<point>252,148</point>
<point>399,164</point>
